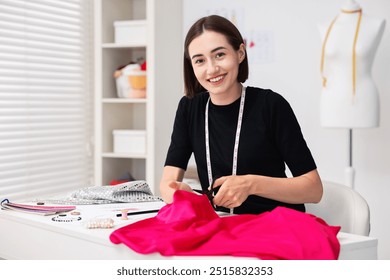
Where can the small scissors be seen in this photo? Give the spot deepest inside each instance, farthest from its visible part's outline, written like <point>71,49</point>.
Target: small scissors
<point>209,193</point>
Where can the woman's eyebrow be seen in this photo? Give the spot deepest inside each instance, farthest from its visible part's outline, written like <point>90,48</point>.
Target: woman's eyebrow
<point>212,51</point>
<point>217,49</point>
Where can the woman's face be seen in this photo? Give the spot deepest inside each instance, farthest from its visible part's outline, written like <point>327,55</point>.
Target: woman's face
<point>215,62</point>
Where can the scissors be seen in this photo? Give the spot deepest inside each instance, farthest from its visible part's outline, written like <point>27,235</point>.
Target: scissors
<point>209,193</point>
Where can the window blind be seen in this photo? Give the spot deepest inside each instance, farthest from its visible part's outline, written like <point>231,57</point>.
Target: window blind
<point>45,97</point>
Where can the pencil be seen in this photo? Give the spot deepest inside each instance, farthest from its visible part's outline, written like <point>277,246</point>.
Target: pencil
<point>140,212</point>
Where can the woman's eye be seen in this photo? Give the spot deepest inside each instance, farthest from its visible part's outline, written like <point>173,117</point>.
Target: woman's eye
<point>219,55</point>
<point>198,61</point>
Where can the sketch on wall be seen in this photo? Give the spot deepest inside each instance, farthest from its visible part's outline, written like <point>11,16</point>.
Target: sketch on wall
<point>260,43</point>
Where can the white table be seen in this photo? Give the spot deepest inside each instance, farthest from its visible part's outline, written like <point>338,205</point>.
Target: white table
<point>28,236</point>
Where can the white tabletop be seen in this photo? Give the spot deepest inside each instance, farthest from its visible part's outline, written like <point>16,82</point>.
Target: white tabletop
<point>30,236</point>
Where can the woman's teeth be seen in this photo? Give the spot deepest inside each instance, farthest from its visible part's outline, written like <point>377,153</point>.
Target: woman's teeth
<point>216,79</point>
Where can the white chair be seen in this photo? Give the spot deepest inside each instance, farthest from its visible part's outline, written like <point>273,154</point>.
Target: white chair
<point>342,206</point>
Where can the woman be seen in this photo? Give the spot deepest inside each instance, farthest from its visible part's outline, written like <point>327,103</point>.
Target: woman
<point>241,136</point>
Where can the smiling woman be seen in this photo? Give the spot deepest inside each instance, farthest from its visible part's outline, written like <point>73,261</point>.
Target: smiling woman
<point>229,39</point>
<point>241,137</point>
<point>216,66</point>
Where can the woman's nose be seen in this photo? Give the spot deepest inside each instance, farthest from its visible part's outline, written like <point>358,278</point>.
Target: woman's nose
<point>212,67</point>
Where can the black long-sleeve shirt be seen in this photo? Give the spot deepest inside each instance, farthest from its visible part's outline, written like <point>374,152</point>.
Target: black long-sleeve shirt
<point>270,138</point>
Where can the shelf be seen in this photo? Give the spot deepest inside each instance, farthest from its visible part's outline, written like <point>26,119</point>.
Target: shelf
<point>153,114</point>
<point>130,156</point>
<point>124,100</point>
<point>122,46</point>
<point>112,112</point>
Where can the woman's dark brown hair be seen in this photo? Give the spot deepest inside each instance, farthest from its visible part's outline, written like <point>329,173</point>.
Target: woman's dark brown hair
<point>220,25</point>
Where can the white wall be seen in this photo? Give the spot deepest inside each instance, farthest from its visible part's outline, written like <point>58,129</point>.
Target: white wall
<point>293,71</point>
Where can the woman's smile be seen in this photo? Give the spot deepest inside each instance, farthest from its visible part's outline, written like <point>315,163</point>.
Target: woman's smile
<point>217,80</point>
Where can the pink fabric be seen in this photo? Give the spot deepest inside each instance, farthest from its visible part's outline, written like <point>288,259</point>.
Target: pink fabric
<point>190,227</point>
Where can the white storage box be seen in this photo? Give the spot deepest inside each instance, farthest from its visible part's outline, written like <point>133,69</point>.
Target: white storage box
<point>130,32</point>
<point>129,141</point>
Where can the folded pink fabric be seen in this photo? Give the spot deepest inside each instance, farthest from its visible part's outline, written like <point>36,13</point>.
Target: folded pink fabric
<point>190,227</point>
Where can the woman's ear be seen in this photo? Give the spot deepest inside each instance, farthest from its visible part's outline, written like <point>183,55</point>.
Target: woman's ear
<point>241,52</point>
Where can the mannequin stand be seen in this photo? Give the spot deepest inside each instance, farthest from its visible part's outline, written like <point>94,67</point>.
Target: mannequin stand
<point>349,170</point>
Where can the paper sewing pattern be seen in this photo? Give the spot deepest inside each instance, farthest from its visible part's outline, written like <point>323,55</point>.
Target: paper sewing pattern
<point>133,191</point>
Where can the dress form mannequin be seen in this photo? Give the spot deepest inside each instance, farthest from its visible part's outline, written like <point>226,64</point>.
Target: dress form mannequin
<point>345,103</point>
<point>349,96</point>
<point>350,5</point>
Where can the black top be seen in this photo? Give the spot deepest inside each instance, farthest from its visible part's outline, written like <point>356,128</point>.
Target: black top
<point>270,138</point>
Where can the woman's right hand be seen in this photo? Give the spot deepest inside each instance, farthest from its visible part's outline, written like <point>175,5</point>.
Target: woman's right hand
<point>171,181</point>
<point>171,187</point>
<point>176,185</point>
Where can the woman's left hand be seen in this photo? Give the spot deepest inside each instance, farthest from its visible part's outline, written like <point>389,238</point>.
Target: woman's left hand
<point>233,192</point>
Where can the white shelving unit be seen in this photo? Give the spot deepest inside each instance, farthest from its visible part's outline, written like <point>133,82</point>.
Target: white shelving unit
<point>155,113</point>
